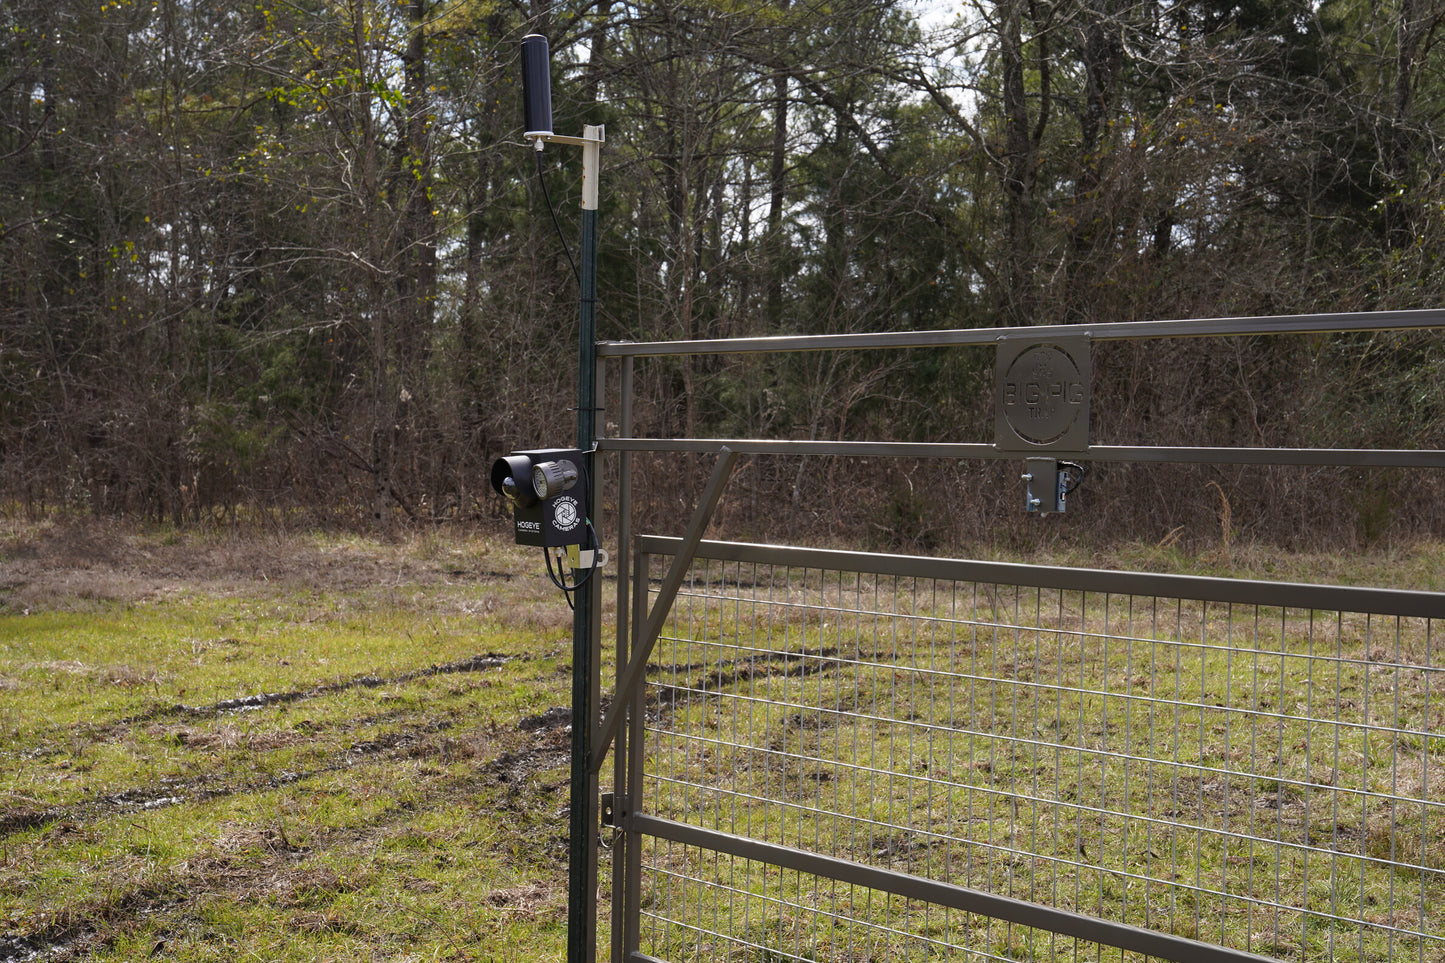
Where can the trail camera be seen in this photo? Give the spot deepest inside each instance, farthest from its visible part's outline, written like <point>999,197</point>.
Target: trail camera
<point>547,490</point>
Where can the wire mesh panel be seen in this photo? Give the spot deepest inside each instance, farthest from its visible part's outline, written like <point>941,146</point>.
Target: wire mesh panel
<point>1265,778</point>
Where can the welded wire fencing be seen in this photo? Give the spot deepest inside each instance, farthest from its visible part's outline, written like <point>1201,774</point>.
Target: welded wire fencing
<point>853,757</point>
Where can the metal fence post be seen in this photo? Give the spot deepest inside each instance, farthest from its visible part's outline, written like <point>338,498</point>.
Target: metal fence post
<point>582,856</point>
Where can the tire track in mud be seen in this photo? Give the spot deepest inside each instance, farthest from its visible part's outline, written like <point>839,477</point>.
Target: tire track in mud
<point>386,746</point>
<point>546,735</point>
<point>202,788</point>
<point>68,939</point>
<point>795,664</point>
<point>262,700</point>
<point>77,936</point>
<point>97,731</point>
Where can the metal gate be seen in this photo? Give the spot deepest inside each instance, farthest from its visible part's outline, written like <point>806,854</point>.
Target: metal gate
<point>838,756</point>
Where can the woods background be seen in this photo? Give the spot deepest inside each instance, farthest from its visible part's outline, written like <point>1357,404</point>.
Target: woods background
<point>290,260</point>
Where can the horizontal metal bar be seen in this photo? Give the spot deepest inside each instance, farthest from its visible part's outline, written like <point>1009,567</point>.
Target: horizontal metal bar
<point>765,446</point>
<point>1165,946</point>
<point>1303,457</point>
<point>1115,331</point>
<point>1299,457</point>
<point>1295,595</point>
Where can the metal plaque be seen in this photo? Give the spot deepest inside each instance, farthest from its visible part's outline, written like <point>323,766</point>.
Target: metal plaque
<point>1041,395</point>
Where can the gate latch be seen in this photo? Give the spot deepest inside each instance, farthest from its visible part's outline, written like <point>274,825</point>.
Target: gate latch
<point>1048,483</point>
<point>609,809</point>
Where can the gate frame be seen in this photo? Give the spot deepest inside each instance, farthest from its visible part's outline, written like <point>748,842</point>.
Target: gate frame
<point>632,824</point>
<point>637,628</point>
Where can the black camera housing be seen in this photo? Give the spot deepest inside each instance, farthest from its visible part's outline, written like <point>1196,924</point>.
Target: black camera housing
<point>554,521</point>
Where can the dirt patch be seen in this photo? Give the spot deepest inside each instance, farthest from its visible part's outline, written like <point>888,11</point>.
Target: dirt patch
<point>51,565</point>
<point>523,900</point>
<point>557,717</point>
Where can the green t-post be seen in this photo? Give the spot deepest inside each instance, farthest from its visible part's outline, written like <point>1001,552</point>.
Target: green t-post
<point>582,861</point>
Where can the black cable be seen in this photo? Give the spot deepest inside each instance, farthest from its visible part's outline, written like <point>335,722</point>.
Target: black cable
<point>556,224</point>
<point>566,591</point>
<point>558,577</point>
<point>562,238</point>
<point>1079,479</point>
<point>555,576</point>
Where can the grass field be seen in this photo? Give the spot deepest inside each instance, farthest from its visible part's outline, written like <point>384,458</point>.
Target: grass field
<point>279,749</point>
<point>315,747</point>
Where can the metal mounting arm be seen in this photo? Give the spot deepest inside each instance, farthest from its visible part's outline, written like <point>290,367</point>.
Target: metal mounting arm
<point>540,138</point>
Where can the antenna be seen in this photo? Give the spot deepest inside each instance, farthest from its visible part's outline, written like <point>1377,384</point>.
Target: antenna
<point>536,89</point>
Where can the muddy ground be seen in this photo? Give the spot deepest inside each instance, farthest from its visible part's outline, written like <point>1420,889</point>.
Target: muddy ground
<point>438,729</point>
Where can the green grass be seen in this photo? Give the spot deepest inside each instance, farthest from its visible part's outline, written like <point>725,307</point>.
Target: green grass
<point>379,803</point>
<point>307,748</point>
